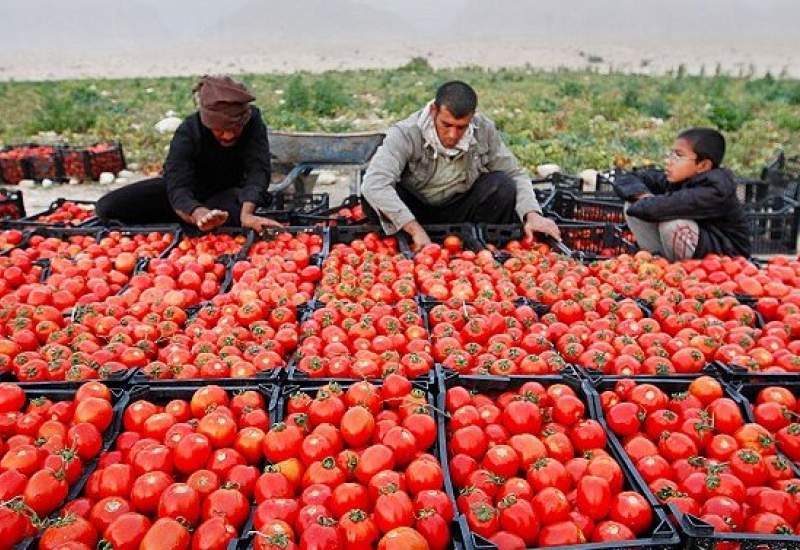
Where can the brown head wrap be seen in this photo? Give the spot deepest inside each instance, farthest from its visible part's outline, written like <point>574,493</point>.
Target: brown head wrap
<point>224,103</point>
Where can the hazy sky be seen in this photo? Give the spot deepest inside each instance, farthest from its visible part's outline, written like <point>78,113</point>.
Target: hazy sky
<point>76,36</point>
<point>97,24</point>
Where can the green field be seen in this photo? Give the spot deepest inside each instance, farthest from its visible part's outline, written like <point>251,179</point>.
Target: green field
<point>575,119</point>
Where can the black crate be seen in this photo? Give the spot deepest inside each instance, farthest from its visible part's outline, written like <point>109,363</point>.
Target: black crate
<point>13,169</point>
<point>12,206</point>
<point>782,175</point>
<point>75,162</point>
<point>120,400</point>
<point>773,225</point>
<point>594,241</point>
<point>58,203</point>
<point>498,236</point>
<point>290,209</point>
<point>696,531</point>
<point>46,164</point>
<point>661,536</point>
<point>105,157</point>
<point>571,206</point>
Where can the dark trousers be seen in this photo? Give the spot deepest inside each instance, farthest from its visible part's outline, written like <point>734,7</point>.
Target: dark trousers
<point>491,199</point>
<point>146,202</point>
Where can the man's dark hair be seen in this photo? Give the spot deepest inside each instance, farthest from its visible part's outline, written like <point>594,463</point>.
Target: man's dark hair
<point>707,144</point>
<point>459,98</point>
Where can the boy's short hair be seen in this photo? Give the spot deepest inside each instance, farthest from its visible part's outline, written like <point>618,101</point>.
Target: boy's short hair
<point>707,143</point>
<point>459,98</point>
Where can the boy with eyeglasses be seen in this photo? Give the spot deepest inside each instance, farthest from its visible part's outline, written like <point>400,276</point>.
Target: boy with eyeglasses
<point>690,209</point>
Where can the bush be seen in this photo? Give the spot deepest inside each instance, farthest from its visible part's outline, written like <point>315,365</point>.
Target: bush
<point>61,111</point>
<point>328,97</point>
<point>296,95</point>
<point>728,116</point>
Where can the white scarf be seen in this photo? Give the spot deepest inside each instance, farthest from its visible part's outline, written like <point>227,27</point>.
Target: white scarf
<point>431,137</point>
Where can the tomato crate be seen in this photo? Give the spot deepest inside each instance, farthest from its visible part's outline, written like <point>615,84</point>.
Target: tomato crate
<point>349,212</point>
<point>65,392</point>
<point>296,375</point>
<point>191,232</point>
<point>370,396</point>
<point>271,233</point>
<point>13,169</point>
<point>659,535</point>
<point>161,396</point>
<point>56,206</point>
<point>344,234</point>
<point>773,225</point>
<point>496,237</point>
<point>12,206</point>
<point>572,207</point>
<point>131,231</point>
<point>590,241</point>
<point>697,533</point>
<point>105,157</point>
<point>75,162</point>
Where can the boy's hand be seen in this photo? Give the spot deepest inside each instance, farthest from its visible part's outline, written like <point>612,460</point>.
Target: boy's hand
<point>643,196</point>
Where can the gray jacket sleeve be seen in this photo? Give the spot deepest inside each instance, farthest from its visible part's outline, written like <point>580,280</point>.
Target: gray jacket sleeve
<point>502,159</point>
<point>381,179</point>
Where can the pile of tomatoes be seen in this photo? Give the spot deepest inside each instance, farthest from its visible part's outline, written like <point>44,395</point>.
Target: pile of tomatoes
<point>45,446</point>
<point>696,451</point>
<point>364,340</point>
<point>351,469</point>
<point>368,267</point>
<point>180,474</point>
<point>532,470</point>
<point>68,212</point>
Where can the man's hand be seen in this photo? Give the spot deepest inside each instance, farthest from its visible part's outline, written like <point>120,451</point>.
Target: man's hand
<point>418,235</point>
<point>642,196</point>
<point>206,219</point>
<point>258,223</point>
<point>536,223</point>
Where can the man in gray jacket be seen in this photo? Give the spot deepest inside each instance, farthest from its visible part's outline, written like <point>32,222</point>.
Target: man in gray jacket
<point>447,164</point>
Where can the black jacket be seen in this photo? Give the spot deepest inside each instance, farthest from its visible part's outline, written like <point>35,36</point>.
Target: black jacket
<point>708,198</point>
<point>198,167</point>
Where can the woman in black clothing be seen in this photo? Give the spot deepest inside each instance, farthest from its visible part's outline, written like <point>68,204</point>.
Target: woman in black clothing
<point>217,170</point>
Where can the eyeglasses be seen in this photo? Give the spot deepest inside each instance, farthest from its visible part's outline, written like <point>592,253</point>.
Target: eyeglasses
<point>676,156</point>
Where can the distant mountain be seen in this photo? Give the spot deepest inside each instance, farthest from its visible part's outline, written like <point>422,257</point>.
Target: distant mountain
<point>78,24</point>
